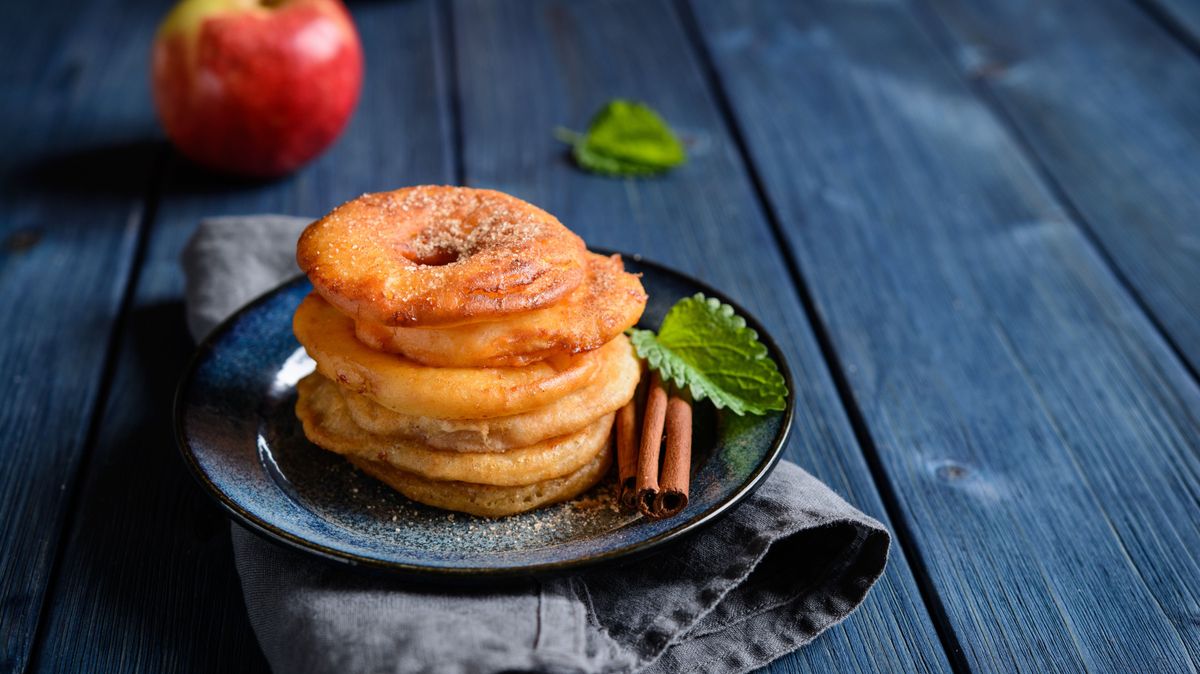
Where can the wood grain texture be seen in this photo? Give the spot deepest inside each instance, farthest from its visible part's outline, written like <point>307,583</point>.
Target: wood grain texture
<point>67,240</point>
<point>526,67</point>
<point>1043,441</point>
<point>1109,103</point>
<point>147,582</point>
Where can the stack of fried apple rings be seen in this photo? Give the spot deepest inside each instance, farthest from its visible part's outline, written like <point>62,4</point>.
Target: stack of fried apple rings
<point>470,350</point>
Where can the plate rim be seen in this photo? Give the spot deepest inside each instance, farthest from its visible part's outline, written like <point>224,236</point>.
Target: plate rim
<point>276,535</point>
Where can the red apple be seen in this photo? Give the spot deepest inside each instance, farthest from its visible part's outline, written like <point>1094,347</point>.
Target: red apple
<point>256,87</point>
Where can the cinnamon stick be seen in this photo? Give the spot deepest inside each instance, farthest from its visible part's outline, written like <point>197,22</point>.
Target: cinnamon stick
<point>627,454</point>
<point>676,474</point>
<point>651,445</point>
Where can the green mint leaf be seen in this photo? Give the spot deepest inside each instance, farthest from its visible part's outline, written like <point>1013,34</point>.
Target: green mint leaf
<point>633,133</point>
<point>625,138</point>
<point>601,163</point>
<point>705,347</point>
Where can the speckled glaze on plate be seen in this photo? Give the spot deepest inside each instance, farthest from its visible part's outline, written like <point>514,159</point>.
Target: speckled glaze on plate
<point>239,435</point>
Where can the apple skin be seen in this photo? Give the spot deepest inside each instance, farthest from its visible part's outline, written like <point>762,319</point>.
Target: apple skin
<point>256,88</point>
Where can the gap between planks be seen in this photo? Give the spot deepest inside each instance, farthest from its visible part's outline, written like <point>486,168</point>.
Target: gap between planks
<point>445,54</point>
<point>891,503</point>
<point>116,335</point>
<point>942,36</point>
<point>1170,23</point>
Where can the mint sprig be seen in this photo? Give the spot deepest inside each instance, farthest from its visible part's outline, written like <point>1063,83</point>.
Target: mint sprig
<point>705,347</point>
<point>625,138</point>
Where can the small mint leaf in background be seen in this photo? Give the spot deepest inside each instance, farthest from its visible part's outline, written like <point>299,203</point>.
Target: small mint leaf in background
<point>625,138</point>
<point>706,348</point>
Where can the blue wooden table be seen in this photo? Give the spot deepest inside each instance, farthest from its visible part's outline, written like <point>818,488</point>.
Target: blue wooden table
<point>974,225</point>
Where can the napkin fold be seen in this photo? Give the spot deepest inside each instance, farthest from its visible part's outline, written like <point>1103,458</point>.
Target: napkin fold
<point>788,563</point>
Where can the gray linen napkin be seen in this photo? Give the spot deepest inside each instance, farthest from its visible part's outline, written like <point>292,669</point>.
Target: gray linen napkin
<point>790,562</point>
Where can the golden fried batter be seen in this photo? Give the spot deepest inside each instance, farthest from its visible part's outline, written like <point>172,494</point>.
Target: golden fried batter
<point>404,386</point>
<point>613,386</point>
<point>487,500</point>
<point>328,424</point>
<point>608,301</point>
<point>437,255</point>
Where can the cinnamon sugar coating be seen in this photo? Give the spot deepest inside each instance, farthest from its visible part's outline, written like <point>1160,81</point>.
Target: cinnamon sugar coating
<point>440,255</point>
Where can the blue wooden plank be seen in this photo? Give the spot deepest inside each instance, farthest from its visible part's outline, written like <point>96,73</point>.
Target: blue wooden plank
<point>526,67</point>
<point>1109,103</point>
<point>147,580</point>
<point>74,172</point>
<point>1042,439</point>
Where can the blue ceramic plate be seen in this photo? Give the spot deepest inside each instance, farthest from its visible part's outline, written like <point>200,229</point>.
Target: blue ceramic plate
<point>241,439</point>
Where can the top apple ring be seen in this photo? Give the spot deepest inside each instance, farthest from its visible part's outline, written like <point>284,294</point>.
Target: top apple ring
<point>439,255</point>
